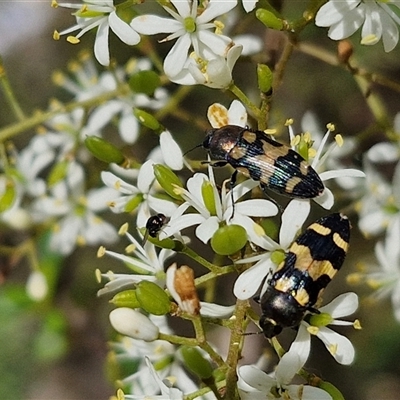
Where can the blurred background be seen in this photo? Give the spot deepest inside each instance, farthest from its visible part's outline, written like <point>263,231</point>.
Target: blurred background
<point>57,350</point>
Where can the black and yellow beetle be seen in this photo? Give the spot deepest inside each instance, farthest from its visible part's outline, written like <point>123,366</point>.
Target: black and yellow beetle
<point>310,264</point>
<point>275,165</point>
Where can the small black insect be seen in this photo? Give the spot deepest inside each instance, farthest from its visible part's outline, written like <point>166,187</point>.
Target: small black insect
<point>310,264</point>
<point>154,225</point>
<point>275,165</point>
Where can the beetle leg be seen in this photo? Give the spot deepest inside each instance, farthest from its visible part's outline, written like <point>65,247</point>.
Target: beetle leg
<point>215,163</point>
<point>264,188</point>
<point>231,186</point>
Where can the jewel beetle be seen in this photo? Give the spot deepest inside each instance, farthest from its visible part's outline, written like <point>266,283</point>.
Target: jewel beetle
<point>310,264</point>
<point>252,153</point>
<point>153,226</point>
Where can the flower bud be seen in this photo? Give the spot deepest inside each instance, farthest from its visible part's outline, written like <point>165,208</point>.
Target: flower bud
<point>127,298</point>
<point>103,150</point>
<point>229,239</point>
<point>134,324</point>
<point>147,120</point>
<point>180,283</point>
<point>168,180</point>
<point>8,196</point>
<point>36,286</point>
<point>152,298</point>
<point>207,192</point>
<point>344,51</point>
<point>265,77</point>
<point>195,361</point>
<point>144,82</point>
<point>269,19</point>
<point>58,173</point>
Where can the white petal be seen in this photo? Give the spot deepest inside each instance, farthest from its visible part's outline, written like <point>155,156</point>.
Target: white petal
<point>177,56</point>
<point>383,152</point>
<point>251,44</point>
<point>255,378</point>
<point>146,176</point>
<point>339,173</point>
<point>295,358</point>
<point>296,212</point>
<point>123,30</point>
<point>171,152</point>
<point>181,223</point>
<point>101,116</point>
<point>326,199</point>
<point>333,11</point>
<point>249,5</point>
<point>237,114</point>
<point>249,281</point>
<point>207,228</point>
<point>128,127</point>
<point>343,305</point>
<point>348,25</point>
<point>344,353</point>
<point>257,208</point>
<point>153,24</point>
<point>214,9</point>
<point>101,44</point>
<point>215,310</point>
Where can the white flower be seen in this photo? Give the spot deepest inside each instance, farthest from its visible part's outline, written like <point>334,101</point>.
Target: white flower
<point>101,14</point>
<point>215,73</point>
<point>255,384</point>
<point>213,208</point>
<point>190,30</point>
<point>131,196</point>
<point>143,260</point>
<point>377,18</point>
<point>338,345</point>
<point>159,352</point>
<point>86,83</point>
<point>379,208</point>
<point>387,279</point>
<point>326,200</point>
<point>164,386</point>
<point>250,280</point>
<point>77,211</point>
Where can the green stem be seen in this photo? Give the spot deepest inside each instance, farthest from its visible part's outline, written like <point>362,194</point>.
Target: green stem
<point>41,117</point>
<point>9,93</point>
<point>246,101</point>
<point>235,349</point>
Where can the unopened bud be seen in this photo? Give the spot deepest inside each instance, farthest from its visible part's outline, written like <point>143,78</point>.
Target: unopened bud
<point>269,19</point>
<point>344,51</point>
<point>103,150</point>
<point>147,119</point>
<point>168,180</point>
<point>265,77</point>
<point>134,324</point>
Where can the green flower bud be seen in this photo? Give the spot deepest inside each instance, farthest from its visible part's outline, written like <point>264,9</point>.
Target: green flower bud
<point>269,19</point>
<point>167,243</point>
<point>207,192</point>
<point>8,197</point>
<point>134,324</point>
<point>322,319</point>
<point>58,173</point>
<point>195,361</point>
<point>168,181</point>
<point>147,120</point>
<point>133,203</point>
<point>152,298</point>
<point>144,82</point>
<point>127,298</point>
<point>103,150</point>
<point>265,77</point>
<point>229,239</point>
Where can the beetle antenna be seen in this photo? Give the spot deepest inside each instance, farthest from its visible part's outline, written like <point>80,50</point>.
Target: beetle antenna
<point>195,147</point>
